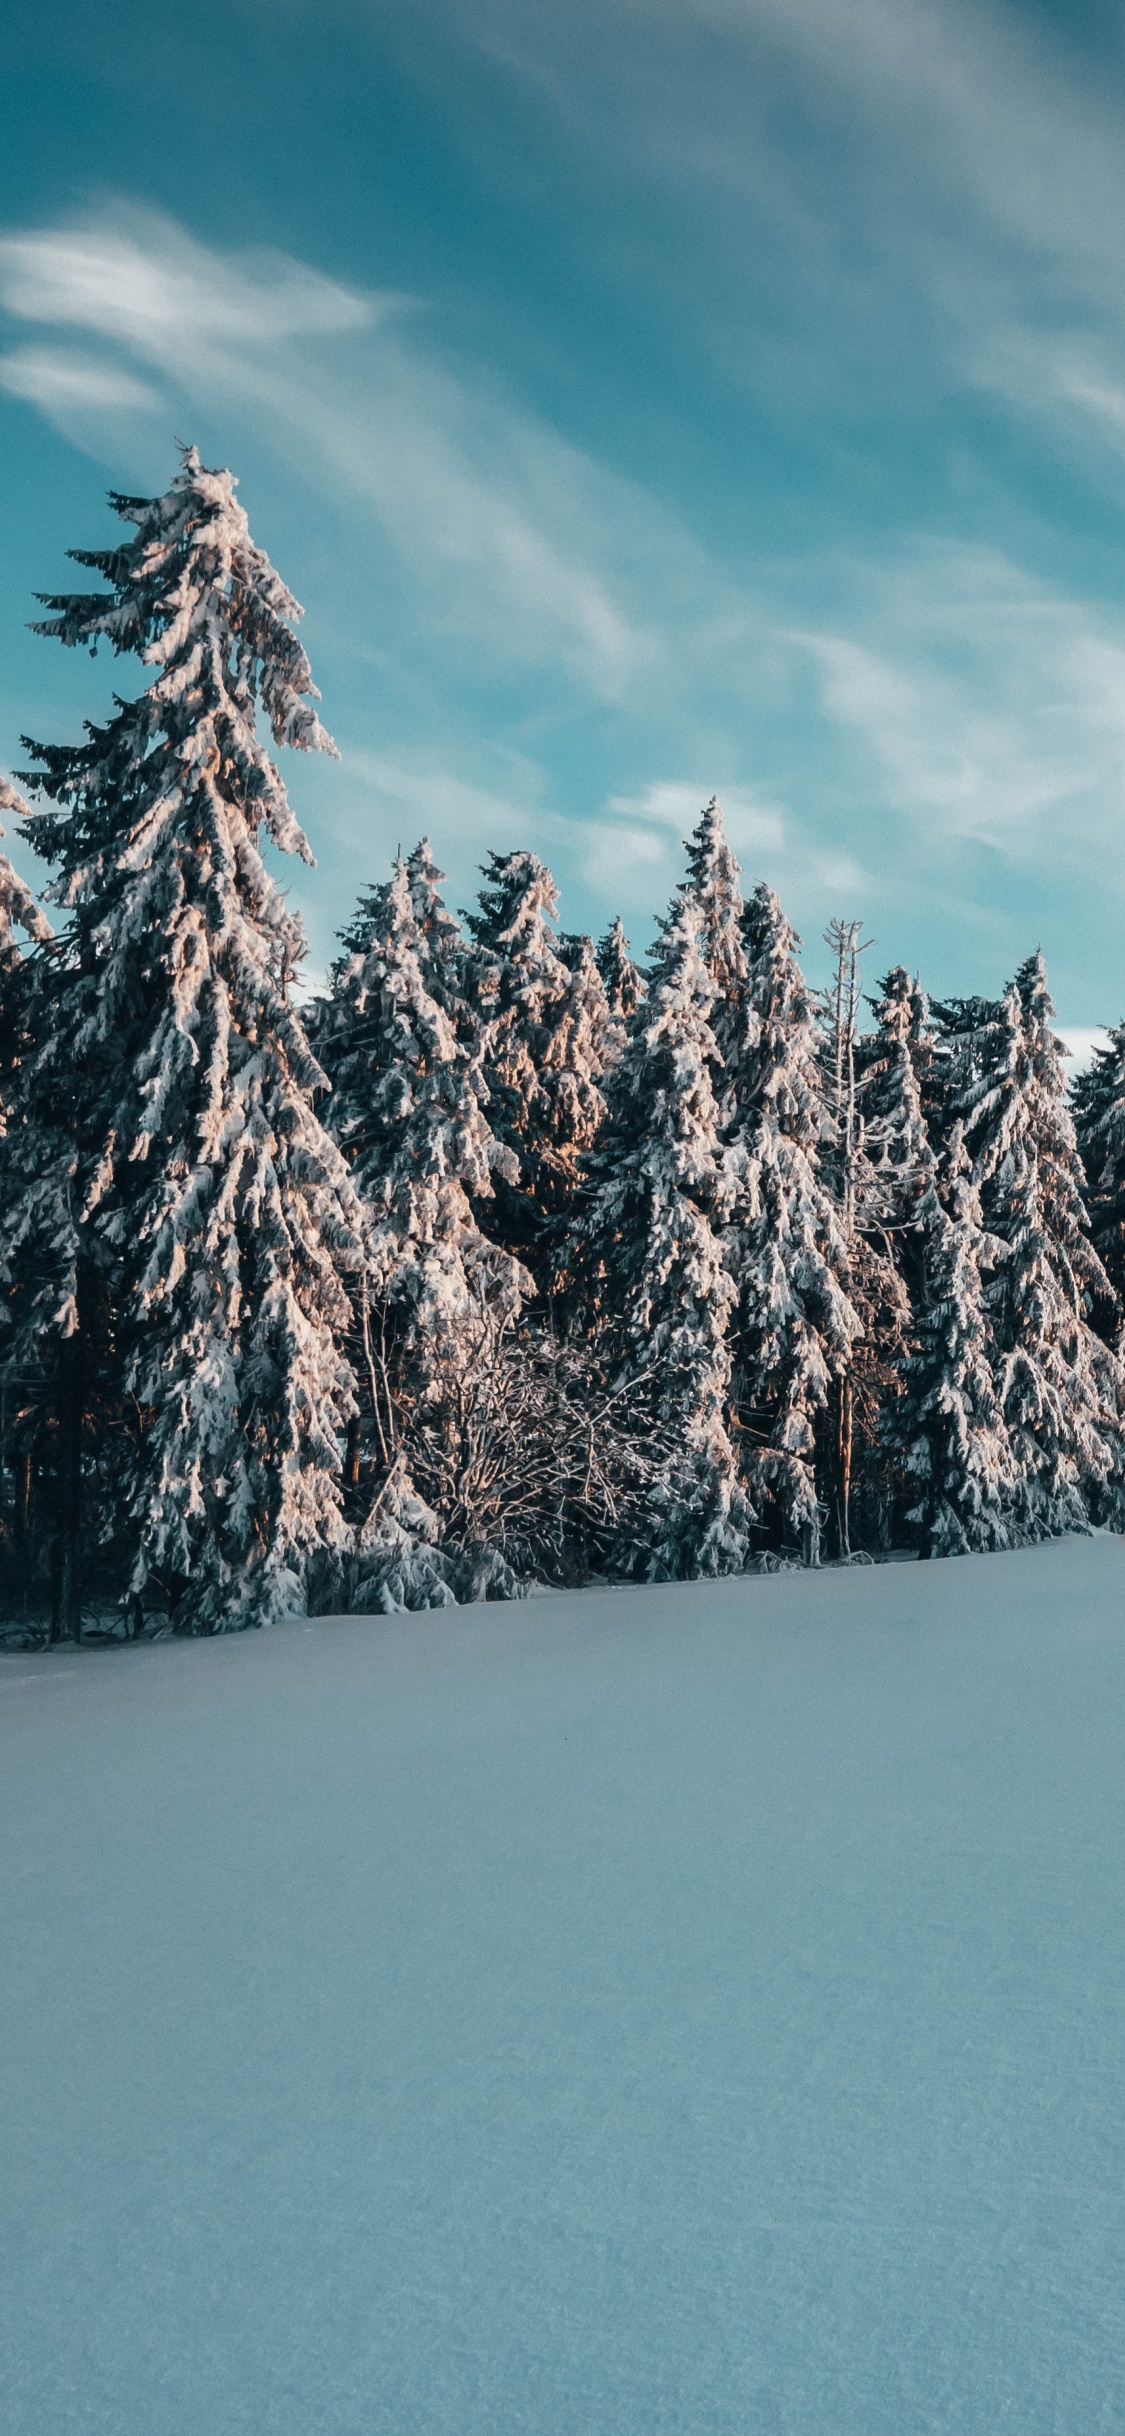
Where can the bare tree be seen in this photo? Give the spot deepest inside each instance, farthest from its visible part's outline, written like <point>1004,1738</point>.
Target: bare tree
<point>535,1457</point>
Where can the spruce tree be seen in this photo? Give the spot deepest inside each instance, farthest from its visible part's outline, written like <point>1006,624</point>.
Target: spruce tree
<point>653,1252</point>
<point>192,1186</point>
<point>894,1172</point>
<point>950,1426</point>
<point>544,1027</point>
<point>712,885</point>
<point>896,1140</point>
<point>1059,1385</point>
<point>570,1108</point>
<point>1099,1112</point>
<point>795,1324</point>
<point>622,979</point>
<point>441,933</point>
<point>409,1110</point>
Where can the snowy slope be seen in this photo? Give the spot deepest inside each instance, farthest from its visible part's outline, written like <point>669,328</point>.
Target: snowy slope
<point>698,2009</point>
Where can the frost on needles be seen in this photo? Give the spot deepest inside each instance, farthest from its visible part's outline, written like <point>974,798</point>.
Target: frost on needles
<point>189,1222</point>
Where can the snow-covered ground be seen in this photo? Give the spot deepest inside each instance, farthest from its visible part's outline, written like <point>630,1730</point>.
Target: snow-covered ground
<point>697,2009</point>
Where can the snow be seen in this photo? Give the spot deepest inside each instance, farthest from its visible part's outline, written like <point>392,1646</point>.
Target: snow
<point>682,2009</point>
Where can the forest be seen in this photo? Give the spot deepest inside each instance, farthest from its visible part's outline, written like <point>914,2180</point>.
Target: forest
<point>508,1260</point>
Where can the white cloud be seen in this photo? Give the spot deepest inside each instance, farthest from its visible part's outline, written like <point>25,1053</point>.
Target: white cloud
<point>983,706</point>
<point>507,531</point>
<point>63,383</point>
<point>669,804</point>
<point>395,802</point>
<point>413,800</point>
<point>993,707</point>
<point>976,97</point>
<point>1081,1039</point>
<point>916,174</point>
<point>427,458</point>
<point>144,280</point>
<point>624,865</point>
<point>633,852</point>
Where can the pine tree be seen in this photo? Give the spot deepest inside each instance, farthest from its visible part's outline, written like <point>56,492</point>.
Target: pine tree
<point>894,1173</point>
<point>896,1141</point>
<point>545,1031</point>
<point>570,1108</point>
<point>441,934</point>
<point>1099,1112</point>
<point>193,1186</point>
<point>712,885</point>
<point>950,1425</point>
<point>622,979</point>
<point>1060,1387</point>
<point>795,1324</point>
<point>652,1246</point>
<point>960,1052</point>
<point>409,1103</point>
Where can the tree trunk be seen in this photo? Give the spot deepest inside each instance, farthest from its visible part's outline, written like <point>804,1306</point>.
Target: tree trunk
<point>66,1602</point>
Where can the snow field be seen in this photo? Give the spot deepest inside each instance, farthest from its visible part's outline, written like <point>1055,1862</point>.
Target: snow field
<point>693,2009</point>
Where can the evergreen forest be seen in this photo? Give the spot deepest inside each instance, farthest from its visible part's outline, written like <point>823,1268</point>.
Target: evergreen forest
<point>510,1259</point>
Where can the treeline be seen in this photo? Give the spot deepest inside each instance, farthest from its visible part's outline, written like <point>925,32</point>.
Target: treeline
<point>506,1261</point>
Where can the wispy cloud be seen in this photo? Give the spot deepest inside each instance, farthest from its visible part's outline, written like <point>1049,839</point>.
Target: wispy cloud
<point>993,707</point>
<point>140,277</point>
<point>893,697</point>
<point>926,171</point>
<point>67,384</point>
<point>393,802</point>
<point>633,850</point>
<point>503,523</point>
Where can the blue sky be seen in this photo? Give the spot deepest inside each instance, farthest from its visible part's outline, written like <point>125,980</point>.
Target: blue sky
<point>644,400</point>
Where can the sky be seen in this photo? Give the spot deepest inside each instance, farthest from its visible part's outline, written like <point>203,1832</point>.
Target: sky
<point>646,399</point>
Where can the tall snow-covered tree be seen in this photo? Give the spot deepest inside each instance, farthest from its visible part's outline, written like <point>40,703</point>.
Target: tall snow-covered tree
<point>578,1054</point>
<point>1099,1112</point>
<point>623,980</point>
<point>950,1427</point>
<point>896,1141</point>
<point>960,1048</point>
<point>652,1247</point>
<point>893,1175</point>
<point>545,1032</point>
<point>795,1324</point>
<point>712,884</point>
<point>441,932</point>
<point>1060,1387</point>
<point>409,1109</point>
<point>192,1180</point>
